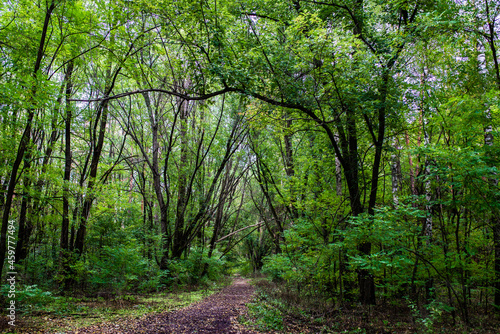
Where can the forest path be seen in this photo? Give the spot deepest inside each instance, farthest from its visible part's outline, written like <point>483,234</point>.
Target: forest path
<point>215,314</point>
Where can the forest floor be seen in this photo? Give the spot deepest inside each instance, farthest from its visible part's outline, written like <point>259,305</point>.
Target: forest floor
<point>217,313</point>
<point>242,308</point>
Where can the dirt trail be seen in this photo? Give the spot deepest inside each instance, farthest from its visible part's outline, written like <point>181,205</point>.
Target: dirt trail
<point>216,314</point>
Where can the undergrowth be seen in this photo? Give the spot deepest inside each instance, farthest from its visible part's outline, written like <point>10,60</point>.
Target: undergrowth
<point>265,313</point>
<point>278,308</point>
<point>40,309</point>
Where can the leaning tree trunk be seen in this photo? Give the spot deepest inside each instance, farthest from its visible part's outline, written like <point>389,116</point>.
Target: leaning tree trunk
<point>25,226</point>
<point>25,216</point>
<point>24,142</point>
<point>102,117</point>
<point>89,198</point>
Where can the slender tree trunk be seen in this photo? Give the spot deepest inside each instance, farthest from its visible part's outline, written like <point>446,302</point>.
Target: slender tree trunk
<point>427,172</point>
<point>338,175</point>
<point>89,198</point>
<point>288,156</point>
<point>495,220</point>
<point>195,224</point>
<point>412,170</point>
<point>289,166</point>
<point>3,191</point>
<point>24,142</point>
<point>428,198</point>
<point>366,281</point>
<point>395,173</point>
<point>67,160</point>
<point>25,225</point>
<point>179,233</point>
<point>25,218</point>
<point>64,241</point>
<point>491,41</point>
<point>427,221</point>
<point>218,221</point>
<point>351,162</point>
<point>220,211</point>
<point>263,181</point>
<point>155,170</point>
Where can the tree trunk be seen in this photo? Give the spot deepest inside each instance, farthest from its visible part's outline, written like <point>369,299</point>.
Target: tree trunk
<point>338,175</point>
<point>24,142</point>
<point>365,278</point>
<point>179,233</point>
<point>289,166</point>
<point>495,220</point>
<point>65,256</point>
<point>96,155</point>
<point>25,225</point>
<point>412,169</point>
<point>219,212</point>
<point>25,218</point>
<point>153,164</point>
<point>395,169</point>
<point>67,160</point>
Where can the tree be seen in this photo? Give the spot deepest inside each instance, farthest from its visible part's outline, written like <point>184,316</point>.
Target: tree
<point>36,77</point>
<point>316,87</point>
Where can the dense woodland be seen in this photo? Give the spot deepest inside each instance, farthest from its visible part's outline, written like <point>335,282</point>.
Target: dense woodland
<point>347,149</point>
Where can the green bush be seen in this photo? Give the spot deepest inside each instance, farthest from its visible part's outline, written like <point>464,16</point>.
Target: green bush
<point>196,268</point>
<point>306,263</point>
<point>41,269</point>
<point>28,297</point>
<point>118,269</point>
<point>278,267</point>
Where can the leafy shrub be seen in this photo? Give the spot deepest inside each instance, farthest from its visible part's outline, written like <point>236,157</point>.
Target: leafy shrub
<point>29,296</point>
<point>266,313</point>
<point>196,268</point>
<point>117,269</point>
<point>154,282</point>
<point>278,267</point>
<point>41,269</point>
<point>307,261</point>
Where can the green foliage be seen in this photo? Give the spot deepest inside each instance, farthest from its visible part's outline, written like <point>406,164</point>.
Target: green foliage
<point>306,263</point>
<point>256,247</point>
<point>28,297</point>
<point>395,230</point>
<point>41,269</point>
<point>278,267</point>
<point>434,310</point>
<point>118,269</point>
<point>197,268</point>
<point>332,99</point>
<point>265,314</point>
